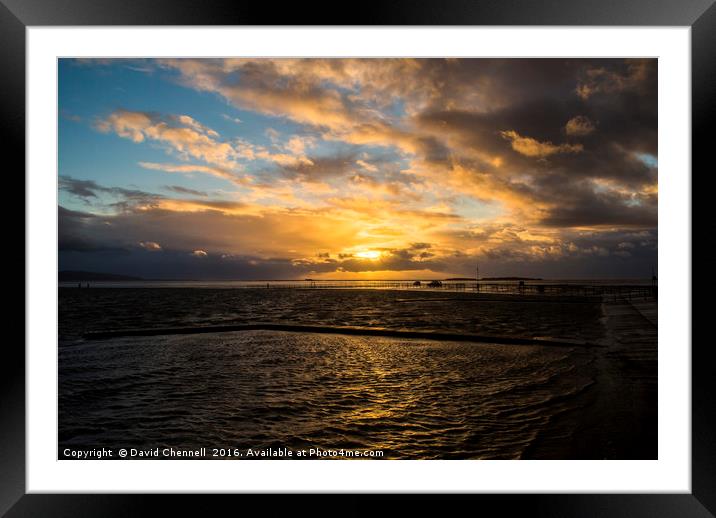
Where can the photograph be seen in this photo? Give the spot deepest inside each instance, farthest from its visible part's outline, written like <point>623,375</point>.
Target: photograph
<point>357,258</point>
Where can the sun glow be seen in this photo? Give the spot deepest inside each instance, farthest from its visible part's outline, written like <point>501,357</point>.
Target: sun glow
<point>369,254</point>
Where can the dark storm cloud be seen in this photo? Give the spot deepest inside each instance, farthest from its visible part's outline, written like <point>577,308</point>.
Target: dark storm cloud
<point>73,233</point>
<point>595,210</point>
<point>621,111</point>
<point>581,254</point>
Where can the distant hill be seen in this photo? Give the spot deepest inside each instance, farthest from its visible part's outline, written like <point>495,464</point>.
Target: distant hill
<point>495,279</point>
<point>78,276</point>
<point>511,279</point>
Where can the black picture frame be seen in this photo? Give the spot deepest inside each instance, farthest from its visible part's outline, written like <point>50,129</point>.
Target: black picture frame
<point>16,15</point>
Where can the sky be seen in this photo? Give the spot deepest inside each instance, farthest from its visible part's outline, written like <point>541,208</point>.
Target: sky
<point>358,168</point>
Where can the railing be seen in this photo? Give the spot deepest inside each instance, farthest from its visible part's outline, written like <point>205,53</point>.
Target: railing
<point>608,291</point>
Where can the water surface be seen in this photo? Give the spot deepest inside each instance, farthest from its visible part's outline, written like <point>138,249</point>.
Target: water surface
<point>258,389</point>
<point>410,398</point>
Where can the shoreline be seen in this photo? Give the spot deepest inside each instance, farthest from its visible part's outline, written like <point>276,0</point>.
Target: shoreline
<point>619,417</point>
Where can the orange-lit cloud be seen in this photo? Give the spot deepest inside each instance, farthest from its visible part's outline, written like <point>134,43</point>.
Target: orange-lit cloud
<point>579,126</point>
<point>181,133</point>
<point>533,148</point>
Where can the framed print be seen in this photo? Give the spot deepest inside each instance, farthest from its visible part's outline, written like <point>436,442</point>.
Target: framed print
<point>437,250</point>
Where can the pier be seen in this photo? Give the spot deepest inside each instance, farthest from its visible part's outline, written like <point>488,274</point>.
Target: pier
<point>613,292</point>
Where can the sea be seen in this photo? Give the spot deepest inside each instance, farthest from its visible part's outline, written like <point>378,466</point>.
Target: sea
<point>338,396</point>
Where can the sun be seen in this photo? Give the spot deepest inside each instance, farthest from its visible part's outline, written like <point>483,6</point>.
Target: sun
<point>368,254</point>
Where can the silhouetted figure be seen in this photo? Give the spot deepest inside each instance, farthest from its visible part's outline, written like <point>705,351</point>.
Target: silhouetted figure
<point>88,284</point>
<point>417,284</point>
<point>79,284</point>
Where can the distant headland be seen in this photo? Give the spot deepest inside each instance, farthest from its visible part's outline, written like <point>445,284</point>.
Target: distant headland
<point>495,279</point>
<point>80,276</point>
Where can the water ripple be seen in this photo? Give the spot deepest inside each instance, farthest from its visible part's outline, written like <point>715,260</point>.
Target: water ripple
<point>258,389</point>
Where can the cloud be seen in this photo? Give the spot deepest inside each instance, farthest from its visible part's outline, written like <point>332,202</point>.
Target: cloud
<point>184,190</point>
<point>80,188</point>
<point>218,172</point>
<point>297,145</point>
<point>181,134</point>
<point>73,235</point>
<point>118,198</point>
<point>368,167</point>
<point>533,148</point>
<point>199,127</point>
<point>111,200</point>
<point>579,126</point>
<point>609,211</point>
<point>255,246</point>
<point>323,94</point>
<point>150,246</point>
<point>318,168</point>
<point>232,119</point>
<point>631,75</point>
